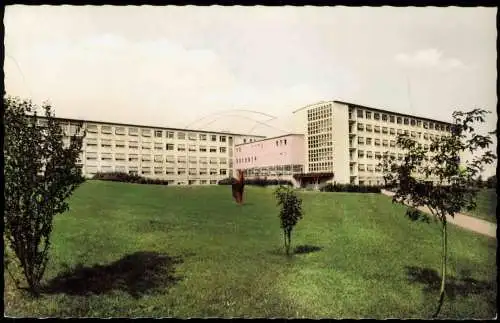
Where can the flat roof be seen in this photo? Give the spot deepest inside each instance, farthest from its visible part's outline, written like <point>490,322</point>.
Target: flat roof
<point>271,138</point>
<point>375,109</point>
<point>157,127</point>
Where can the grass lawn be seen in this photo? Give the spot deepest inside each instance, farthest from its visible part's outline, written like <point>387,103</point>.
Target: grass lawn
<point>138,251</point>
<point>486,205</point>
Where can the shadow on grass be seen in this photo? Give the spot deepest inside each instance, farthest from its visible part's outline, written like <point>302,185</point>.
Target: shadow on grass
<point>302,249</point>
<point>306,249</point>
<point>454,287</point>
<point>136,274</point>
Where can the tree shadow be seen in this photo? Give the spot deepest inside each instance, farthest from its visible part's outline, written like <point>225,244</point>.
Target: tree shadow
<point>306,249</point>
<point>136,274</point>
<point>454,287</point>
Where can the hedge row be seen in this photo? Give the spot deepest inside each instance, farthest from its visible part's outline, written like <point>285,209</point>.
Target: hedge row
<point>257,182</point>
<point>128,178</point>
<point>350,188</point>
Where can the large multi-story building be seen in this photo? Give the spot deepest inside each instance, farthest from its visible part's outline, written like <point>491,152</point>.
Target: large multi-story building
<point>180,156</point>
<point>347,139</point>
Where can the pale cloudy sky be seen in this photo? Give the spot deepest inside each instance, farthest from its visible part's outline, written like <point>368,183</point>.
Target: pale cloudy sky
<point>176,66</point>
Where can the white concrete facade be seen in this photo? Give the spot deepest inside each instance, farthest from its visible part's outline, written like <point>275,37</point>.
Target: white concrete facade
<point>348,139</point>
<point>179,156</point>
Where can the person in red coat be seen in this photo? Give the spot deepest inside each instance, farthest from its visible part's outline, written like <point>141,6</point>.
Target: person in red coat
<point>238,186</point>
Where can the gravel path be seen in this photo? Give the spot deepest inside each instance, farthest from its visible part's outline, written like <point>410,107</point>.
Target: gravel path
<point>477,225</point>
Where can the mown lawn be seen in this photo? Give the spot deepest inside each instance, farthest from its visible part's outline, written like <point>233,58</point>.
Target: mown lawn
<point>486,208</point>
<point>139,251</point>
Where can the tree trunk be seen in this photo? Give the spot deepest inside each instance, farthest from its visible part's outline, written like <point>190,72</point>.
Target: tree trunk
<point>443,268</point>
<point>289,233</point>
<point>284,237</point>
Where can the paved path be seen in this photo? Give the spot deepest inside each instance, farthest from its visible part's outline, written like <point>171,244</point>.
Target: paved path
<point>480,226</point>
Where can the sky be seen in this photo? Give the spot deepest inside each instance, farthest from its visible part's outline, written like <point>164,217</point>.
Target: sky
<point>245,69</point>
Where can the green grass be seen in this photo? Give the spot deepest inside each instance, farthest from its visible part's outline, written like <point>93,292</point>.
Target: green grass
<point>232,261</point>
<point>486,205</point>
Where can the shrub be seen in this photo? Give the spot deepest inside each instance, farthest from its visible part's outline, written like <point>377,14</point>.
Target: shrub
<point>128,178</point>
<point>263,182</point>
<point>351,188</point>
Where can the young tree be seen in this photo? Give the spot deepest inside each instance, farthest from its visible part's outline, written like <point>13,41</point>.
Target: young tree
<point>40,174</point>
<point>437,178</point>
<point>290,212</point>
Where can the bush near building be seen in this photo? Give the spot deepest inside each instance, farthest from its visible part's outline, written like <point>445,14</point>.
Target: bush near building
<point>257,182</point>
<point>127,178</point>
<point>350,188</point>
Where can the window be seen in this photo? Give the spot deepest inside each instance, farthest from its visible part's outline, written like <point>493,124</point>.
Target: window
<point>181,135</point>
<point>170,159</point>
<point>426,125</point>
<point>406,121</point>
<point>192,171</point>
<point>133,157</point>
<point>170,134</point>
<point>213,181</point>
<point>181,160</point>
<point>419,123</point>
<point>169,171</point>
<point>192,148</point>
<point>384,117</point>
<point>361,167</point>
<point>376,116</point>
<point>158,146</point>
<point>361,140</point>
<point>169,146</point>
<point>192,136</point>
<point>106,156</point>
<point>213,137</point>
<point>146,145</point>
<point>413,122</point>
<point>222,138</point>
<point>133,131</point>
<point>120,144</point>
<point>400,131</point>
<point>213,171</point>
<point>106,130</point>
<point>92,128</point>
<point>119,157</point>
<point>222,149</point>
<point>213,161</point>
<point>193,160</point>
<point>133,170</point>
<point>399,120</point>
<point>369,154</point>
<point>146,132</point>
<point>223,161</point>
<point>146,170</point>
<point>223,172</point>
<point>146,158</point>
<point>413,134</point>
<point>158,133</point>
<point>203,160</point>
<point>158,158</point>
<point>368,115</point>
<point>203,136</point>
<point>385,142</point>
<point>368,141</point>
<point>361,153</point>
<point>377,129</point>
<point>120,131</point>
<point>213,149</point>
<point>158,170</point>
<point>406,132</point>
<point>431,126</point>
<point>377,142</point>
<point>426,135</point>
<point>181,147</point>
<point>384,129</point>
<point>285,141</point>
<point>91,142</point>
<point>360,114</point>
<point>392,143</point>
<point>203,171</point>
<point>106,143</point>
<point>276,143</point>
<point>391,119</point>
<point>360,127</point>
<point>91,156</point>
<point>181,171</point>
<point>369,127</point>
<point>203,149</point>
<point>392,131</point>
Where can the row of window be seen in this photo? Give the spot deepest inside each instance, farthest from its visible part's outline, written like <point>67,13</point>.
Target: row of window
<point>321,166</point>
<point>121,131</point>
<point>274,168</point>
<point>106,143</point>
<point>321,112</point>
<point>398,120</point>
<point>156,158</point>
<point>392,131</point>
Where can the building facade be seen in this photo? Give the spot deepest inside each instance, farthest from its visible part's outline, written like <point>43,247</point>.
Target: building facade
<point>349,139</point>
<point>278,157</point>
<point>179,156</point>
